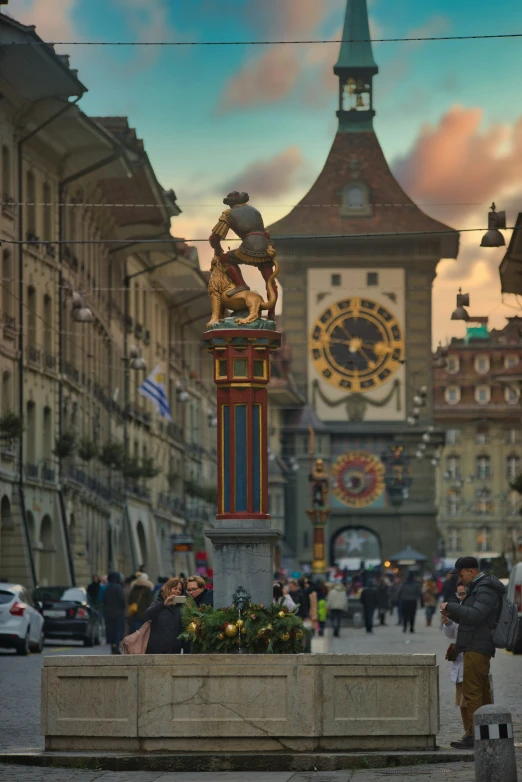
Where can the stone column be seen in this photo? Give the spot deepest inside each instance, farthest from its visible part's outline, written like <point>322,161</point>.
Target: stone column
<point>242,535</point>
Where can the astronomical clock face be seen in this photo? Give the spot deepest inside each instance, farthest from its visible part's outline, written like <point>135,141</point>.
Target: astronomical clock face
<point>358,479</point>
<point>356,344</point>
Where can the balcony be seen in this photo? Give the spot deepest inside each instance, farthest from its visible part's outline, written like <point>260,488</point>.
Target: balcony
<point>8,206</point>
<point>173,504</point>
<point>50,362</point>
<point>48,474</point>
<point>71,372</point>
<point>9,327</point>
<point>31,471</point>
<point>34,355</point>
<point>50,251</point>
<point>138,330</point>
<point>33,241</point>
<point>70,259</point>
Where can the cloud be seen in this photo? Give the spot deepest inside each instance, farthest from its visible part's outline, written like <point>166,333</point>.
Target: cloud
<point>53,23</point>
<point>270,178</point>
<point>264,80</point>
<point>147,22</point>
<point>460,163</point>
<point>286,19</point>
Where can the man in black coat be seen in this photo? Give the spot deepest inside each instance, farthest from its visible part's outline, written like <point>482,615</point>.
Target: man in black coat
<point>369,603</point>
<point>477,617</point>
<point>114,605</point>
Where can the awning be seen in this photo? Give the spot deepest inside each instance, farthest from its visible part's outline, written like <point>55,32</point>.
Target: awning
<point>408,556</point>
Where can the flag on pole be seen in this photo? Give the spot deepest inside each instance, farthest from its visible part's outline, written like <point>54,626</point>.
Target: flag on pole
<point>153,389</point>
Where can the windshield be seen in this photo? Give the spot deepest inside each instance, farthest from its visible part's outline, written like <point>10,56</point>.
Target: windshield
<point>56,594</point>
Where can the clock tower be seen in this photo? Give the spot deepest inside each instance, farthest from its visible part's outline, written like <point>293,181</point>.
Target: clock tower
<point>358,259</point>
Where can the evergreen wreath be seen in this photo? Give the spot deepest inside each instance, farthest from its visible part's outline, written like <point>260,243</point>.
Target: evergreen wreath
<point>260,630</point>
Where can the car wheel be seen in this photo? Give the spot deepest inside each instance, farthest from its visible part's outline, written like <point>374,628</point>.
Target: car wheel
<point>39,647</point>
<point>23,648</point>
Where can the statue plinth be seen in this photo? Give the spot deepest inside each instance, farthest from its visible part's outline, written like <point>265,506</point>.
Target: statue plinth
<point>242,535</point>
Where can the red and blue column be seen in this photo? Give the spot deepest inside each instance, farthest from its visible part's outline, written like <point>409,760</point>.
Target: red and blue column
<point>242,534</point>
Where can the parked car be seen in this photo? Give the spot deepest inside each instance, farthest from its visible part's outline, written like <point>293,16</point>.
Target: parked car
<point>514,593</point>
<point>67,614</point>
<point>21,625</point>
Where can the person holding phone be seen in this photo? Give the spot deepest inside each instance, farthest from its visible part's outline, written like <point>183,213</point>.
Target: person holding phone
<point>165,617</point>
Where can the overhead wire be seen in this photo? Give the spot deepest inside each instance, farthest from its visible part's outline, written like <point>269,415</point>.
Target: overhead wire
<point>277,42</point>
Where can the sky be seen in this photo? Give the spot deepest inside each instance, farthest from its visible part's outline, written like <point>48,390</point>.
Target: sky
<point>262,118</point>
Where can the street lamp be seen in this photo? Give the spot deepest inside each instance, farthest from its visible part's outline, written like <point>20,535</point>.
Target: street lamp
<point>493,237</point>
<point>136,361</point>
<point>182,394</point>
<point>80,313</point>
<point>462,301</point>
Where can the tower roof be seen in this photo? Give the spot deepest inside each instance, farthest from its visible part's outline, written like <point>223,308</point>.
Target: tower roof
<point>356,49</point>
<point>358,157</point>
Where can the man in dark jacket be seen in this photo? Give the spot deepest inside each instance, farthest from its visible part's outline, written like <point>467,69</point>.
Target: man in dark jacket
<point>114,605</point>
<point>369,602</point>
<point>477,617</point>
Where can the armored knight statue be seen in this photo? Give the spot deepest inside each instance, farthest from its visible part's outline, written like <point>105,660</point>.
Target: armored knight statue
<point>256,248</point>
<point>320,485</point>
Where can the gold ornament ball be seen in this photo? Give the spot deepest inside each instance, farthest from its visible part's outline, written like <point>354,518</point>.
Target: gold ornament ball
<point>192,628</point>
<point>282,614</point>
<point>239,623</point>
<point>285,637</point>
<point>243,631</point>
<point>231,630</point>
<point>221,636</point>
<point>299,635</point>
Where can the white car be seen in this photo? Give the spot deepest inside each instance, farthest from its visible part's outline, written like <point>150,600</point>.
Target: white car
<point>21,625</point>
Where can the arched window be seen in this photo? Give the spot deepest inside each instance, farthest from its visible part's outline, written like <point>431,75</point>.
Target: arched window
<point>512,467</point>
<point>7,287</point>
<point>484,539</point>
<point>31,208</point>
<point>453,502</point>
<point>483,467</point>
<point>6,173</point>
<point>484,502</point>
<point>355,199</point>
<point>47,223</point>
<point>482,434</point>
<point>453,542</point>
<point>453,468</point>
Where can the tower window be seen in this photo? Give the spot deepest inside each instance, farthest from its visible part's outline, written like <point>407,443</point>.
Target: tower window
<point>355,198</point>
<point>372,278</point>
<point>336,280</point>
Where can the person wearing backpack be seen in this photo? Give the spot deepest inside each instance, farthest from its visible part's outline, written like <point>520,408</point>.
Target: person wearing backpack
<point>477,617</point>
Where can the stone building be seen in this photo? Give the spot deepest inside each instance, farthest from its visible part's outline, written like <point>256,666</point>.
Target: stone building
<point>477,402</point>
<point>357,276</point>
<point>91,477</point>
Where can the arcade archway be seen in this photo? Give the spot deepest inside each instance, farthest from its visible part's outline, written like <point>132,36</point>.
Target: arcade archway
<point>353,547</point>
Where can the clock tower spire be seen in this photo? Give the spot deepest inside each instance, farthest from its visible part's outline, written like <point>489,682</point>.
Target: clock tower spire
<point>355,69</point>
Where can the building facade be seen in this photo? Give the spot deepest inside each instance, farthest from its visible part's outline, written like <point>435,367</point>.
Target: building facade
<point>360,268</point>
<point>477,403</point>
<point>92,478</point>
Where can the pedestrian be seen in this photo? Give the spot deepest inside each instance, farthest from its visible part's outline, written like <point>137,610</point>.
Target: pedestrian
<point>476,617</point>
<point>139,600</point>
<point>369,600</point>
<point>409,596</point>
<point>164,614</point>
<point>429,594</point>
<point>457,668</point>
<point>322,612</point>
<point>197,590</point>
<point>299,596</point>
<point>162,580</point>
<point>394,595</point>
<point>337,604</point>
<point>93,591</point>
<point>114,612</point>
<point>449,587</point>
<point>383,600</point>
<point>279,594</point>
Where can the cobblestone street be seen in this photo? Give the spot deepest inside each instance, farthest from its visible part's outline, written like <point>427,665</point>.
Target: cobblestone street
<point>19,713</point>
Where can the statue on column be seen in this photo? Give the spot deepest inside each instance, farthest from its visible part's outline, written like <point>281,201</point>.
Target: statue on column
<point>256,248</point>
<point>320,485</point>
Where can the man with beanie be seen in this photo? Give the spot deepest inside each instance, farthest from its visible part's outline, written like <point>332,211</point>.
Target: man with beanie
<point>477,617</point>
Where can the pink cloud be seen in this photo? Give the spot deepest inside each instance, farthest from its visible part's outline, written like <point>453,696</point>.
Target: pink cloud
<point>272,177</point>
<point>289,18</point>
<point>264,80</point>
<point>53,22</point>
<point>458,162</point>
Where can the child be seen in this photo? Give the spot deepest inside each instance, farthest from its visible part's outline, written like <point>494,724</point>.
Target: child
<point>457,668</point>
<point>322,613</point>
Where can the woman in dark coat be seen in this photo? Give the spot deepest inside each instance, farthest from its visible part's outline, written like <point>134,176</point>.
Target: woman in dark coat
<point>197,590</point>
<point>383,600</point>
<point>113,602</point>
<point>165,618</point>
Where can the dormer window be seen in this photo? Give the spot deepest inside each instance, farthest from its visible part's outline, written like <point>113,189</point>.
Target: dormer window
<point>355,200</point>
